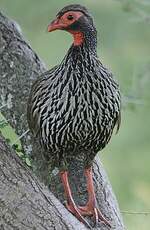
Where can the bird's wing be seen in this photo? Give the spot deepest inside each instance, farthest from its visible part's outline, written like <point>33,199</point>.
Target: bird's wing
<point>108,74</point>
<point>33,119</point>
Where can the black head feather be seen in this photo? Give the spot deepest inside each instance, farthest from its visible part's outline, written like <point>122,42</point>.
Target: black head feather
<point>73,7</point>
<point>84,24</point>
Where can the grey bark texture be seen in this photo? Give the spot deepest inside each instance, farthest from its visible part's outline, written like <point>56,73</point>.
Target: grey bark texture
<point>25,203</point>
<point>19,67</point>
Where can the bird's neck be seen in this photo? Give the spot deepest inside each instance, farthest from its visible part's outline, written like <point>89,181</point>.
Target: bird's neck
<point>80,59</point>
<point>90,40</point>
<point>86,38</point>
<point>82,53</point>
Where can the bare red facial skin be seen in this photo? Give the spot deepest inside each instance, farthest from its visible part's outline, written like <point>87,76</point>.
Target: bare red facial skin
<point>64,22</point>
<point>78,37</point>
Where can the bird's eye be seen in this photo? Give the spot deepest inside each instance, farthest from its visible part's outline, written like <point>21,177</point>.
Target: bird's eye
<point>70,17</point>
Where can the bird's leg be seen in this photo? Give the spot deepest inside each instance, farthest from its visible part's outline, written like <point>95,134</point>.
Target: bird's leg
<point>71,206</point>
<point>90,209</point>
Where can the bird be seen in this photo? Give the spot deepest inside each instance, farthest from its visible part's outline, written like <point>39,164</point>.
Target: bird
<point>74,107</point>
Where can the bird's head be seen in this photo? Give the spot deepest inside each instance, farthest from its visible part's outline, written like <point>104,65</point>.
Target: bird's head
<point>74,19</point>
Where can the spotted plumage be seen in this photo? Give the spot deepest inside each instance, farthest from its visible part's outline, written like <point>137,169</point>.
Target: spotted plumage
<point>74,107</point>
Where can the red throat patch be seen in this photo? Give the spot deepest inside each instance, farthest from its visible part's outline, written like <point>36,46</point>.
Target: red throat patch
<point>78,37</point>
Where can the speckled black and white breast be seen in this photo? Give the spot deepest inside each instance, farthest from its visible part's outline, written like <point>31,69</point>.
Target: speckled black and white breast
<point>75,106</point>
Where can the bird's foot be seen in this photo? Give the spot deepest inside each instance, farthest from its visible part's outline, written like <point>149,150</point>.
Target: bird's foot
<point>90,210</point>
<point>77,213</point>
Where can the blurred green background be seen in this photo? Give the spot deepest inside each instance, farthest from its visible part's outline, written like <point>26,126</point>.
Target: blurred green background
<point>124,46</point>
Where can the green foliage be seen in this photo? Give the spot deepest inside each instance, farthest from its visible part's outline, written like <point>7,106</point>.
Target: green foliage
<point>12,139</point>
<point>3,124</point>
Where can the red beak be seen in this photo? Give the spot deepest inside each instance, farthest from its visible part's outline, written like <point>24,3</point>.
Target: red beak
<point>54,25</point>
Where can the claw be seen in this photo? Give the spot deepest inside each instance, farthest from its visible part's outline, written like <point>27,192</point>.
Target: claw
<point>95,212</point>
<point>103,219</point>
<point>90,209</point>
<point>95,216</point>
<point>76,212</point>
<point>71,206</point>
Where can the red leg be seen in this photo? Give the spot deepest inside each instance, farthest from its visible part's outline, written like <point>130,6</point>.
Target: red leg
<point>71,206</point>
<point>90,209</point>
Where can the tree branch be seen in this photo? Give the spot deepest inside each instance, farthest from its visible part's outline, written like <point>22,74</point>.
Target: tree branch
<point>25,203</point>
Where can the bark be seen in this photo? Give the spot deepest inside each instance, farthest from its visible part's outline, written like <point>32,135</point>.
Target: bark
<point>19,67</point>
<point>24,202</point>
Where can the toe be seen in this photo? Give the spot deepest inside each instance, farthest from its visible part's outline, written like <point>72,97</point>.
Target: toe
<point>102,218</point>
<point>77,213</point>
<point>95,215</point>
